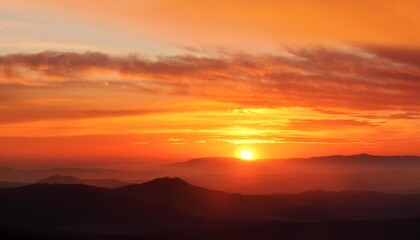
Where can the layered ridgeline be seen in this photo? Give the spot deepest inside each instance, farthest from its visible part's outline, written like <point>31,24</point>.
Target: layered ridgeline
<point>106,183</point>
<point>165,206</point>
<point>332,173</point>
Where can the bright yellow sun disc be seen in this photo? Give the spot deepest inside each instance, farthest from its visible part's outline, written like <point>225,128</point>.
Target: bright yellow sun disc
<point>247,155</point>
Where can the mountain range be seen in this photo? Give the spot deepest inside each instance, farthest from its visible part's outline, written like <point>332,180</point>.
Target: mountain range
<point>363,159</point>
<point>171,208</point>
<point>105,183</point>
<point>330,173</point>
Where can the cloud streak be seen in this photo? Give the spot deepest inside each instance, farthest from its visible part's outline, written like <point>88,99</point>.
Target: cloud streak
<point>357,78</point>
<point>48,114</point>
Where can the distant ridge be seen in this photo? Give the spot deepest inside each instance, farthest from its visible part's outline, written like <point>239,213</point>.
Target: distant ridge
<point>214,161</point>
<point>57,179</point>
<point>5,184</point>
<point>106,183</point>
<point>336,159</point>
<point>31,176</point>
<point>369,159</point>
<point>367,155</point>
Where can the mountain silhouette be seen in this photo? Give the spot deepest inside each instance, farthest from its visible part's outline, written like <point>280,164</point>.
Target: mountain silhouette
<point>362,158</point>
<point>210,162</point>
<point>368,159</point>
<point>32,176</point>
<point>106,183</point>
<point>312,205</point>
<point>4,184</point>
<point>332,173</point>
<point>178,194</point>
<point>77,207</point>
<point>171,208</point>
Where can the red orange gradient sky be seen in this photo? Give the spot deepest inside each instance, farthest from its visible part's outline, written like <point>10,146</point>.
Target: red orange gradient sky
<point>172,80</point>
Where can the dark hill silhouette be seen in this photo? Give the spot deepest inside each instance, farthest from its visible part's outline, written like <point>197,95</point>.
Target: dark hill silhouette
<point>106,183</point>
<point>11,184</point>
<point>171,208</point>
<point>77,207</point>
<point>178,194</point>
<point>306,206</point>
<point>407,229</point>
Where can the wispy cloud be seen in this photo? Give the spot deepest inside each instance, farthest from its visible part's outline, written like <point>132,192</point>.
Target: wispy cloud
<point>325,124</point>
<point>358,78</point>
<point>48,114</point>
<point>176,141</point>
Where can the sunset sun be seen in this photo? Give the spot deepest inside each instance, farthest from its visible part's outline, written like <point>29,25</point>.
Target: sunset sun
<point>247,155</point>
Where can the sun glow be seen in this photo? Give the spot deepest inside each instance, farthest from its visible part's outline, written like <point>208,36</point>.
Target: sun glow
<point>247,155</point>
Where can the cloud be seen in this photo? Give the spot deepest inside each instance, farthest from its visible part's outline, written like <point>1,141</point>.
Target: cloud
<point>374,78</point>
<point>48,114</point>
<point>328,124</point>
<point>176,141</point>
<point>405,115</point>
<point>241,141</point>
<point>405,55</point>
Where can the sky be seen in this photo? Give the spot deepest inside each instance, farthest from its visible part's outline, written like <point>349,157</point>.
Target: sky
<point>160,80</point>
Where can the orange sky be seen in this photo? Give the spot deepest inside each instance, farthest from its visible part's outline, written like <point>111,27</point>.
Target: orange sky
<point>172,80</point>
